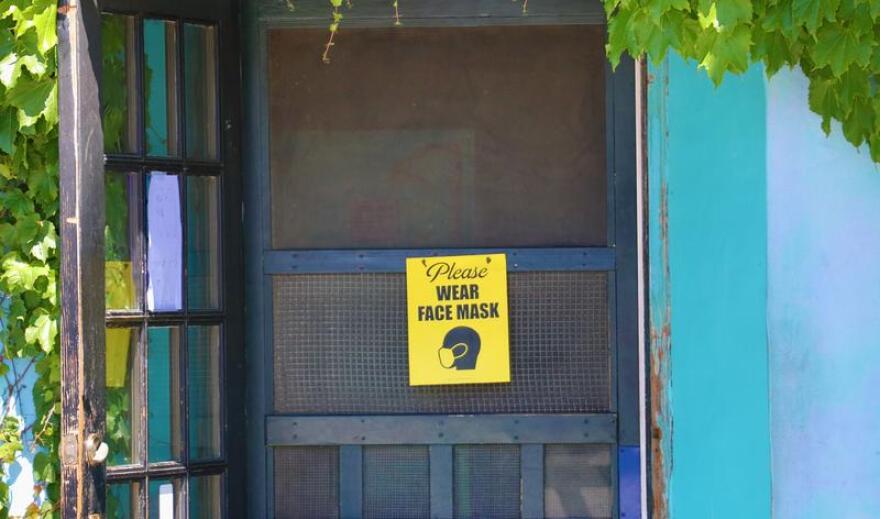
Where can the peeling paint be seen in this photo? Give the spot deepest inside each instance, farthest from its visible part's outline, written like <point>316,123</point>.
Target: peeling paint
<point>660,318</point>
<point>661,417</point>
<point>709,415</point>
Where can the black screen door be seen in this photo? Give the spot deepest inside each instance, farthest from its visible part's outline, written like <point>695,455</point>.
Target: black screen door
<point>462,135</point>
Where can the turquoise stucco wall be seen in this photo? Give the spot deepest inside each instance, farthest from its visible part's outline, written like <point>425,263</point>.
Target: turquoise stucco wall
<point>708,241</point>
<point>824,313</point>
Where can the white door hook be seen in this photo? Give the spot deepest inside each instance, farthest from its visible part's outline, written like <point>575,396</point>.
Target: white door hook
<point>96,450</point>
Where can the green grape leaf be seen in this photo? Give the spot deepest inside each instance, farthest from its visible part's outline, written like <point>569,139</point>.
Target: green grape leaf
<point>811,12</point>
<point>44,24</point>
<point>732,12</point>
<point>31,95</point>
<point>729,52</point>
<point>8,131</point>
<point>42,331</point>
<point>839,47</point>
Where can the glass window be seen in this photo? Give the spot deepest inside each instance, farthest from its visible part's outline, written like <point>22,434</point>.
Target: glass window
<point>411,139</point>
<point>121,244</point>
<point>163,394</point>
<point>166,499</point>
<point>160,87</point>
<point>164,243</point>
<point>203,380</point>
<point>202,243</point>
<point>200,60</point>
<point>204,496</point>
<point>124,500</point>
<point>118,80</point>
<point>124,403</point>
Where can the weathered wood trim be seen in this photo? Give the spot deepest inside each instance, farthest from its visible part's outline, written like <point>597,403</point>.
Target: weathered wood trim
<point>440,429</point>
<point>351,481</point>
<point>394,260</point>
<point>442,494</point>
<point>659,295</point>
<point>450,13</point>
<point>532,467</point>
<point>82,254</point>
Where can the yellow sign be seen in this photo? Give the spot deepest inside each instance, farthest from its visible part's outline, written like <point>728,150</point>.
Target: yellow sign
<point>457,316</point>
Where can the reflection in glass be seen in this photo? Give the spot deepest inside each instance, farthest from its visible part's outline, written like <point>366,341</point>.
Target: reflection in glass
<point>124,404</point>
<point>204,496</point>
<point>203,379</point>
<point>202,247</point>
<point>124,500</point>
<point>166,499</point>
<point>160,87</point>
<point>164,243</point>
<point>118,80</point>
<point>121,266</point>
<point>200,62</point>
<point>163,393</point>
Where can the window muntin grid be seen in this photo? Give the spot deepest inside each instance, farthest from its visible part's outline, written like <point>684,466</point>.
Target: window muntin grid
<point>159,194</point>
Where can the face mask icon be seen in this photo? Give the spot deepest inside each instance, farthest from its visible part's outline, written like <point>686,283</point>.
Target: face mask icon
<point>460,349</point>
<point>448,356</point>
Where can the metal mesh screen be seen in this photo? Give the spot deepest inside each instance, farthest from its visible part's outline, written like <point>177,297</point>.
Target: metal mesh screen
<point>453,152</point>
<point>577,481</point>
<point>486,481</point>
<point>397,482</point>
<point>306,482</point>
<point>341,347</point>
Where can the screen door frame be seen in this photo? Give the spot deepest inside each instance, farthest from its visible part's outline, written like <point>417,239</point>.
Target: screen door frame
<point>618,258</point>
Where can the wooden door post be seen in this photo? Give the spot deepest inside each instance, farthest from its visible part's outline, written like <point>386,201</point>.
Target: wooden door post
<point>81,158</point>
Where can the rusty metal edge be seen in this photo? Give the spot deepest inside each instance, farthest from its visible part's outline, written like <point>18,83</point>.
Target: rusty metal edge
<point>655,132</point>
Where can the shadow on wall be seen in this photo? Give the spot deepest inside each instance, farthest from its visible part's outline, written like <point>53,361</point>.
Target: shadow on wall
<point>823,312</point>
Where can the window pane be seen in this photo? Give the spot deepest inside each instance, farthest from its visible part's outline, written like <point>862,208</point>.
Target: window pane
<point>164,243</point>
<point>504,147</point>
<point>202,247</point>
<point>166,499</point>
<point>160,87</point>
<point>118,84</point>
<point>200,60</point>
<point>163,393</point>
<point>124,401</point>
<point>124,500</point>
<point>205,496</point>
<point>203,379</point>
<point>121,251</point>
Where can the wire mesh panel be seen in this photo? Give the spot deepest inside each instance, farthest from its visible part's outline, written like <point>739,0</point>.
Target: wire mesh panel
<point>577,481</point>
<point>341,348</point>
<point>397,482</point>
<point>307,483</point>
<point>486,481</point>
<point>457,151</point>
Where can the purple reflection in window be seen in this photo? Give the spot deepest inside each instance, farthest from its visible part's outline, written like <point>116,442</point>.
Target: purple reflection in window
<point>164,243</point>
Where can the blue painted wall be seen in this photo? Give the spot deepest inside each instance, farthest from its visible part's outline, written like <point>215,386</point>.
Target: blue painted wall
<point>824,313</point>
<point>708,228</point>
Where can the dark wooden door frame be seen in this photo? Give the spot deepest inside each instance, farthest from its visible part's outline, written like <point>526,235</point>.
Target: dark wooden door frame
<point>81,156</point>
